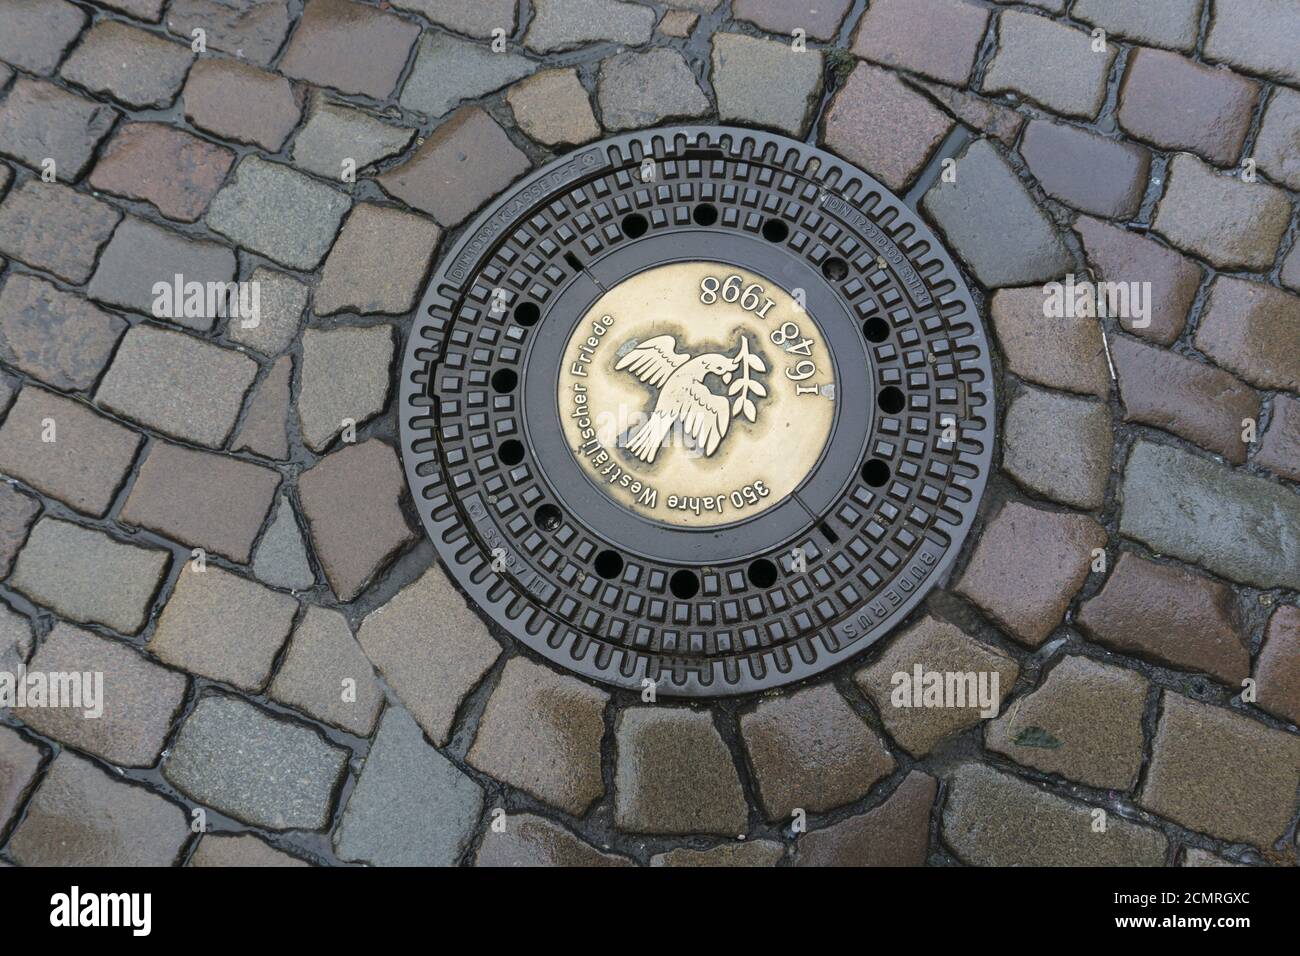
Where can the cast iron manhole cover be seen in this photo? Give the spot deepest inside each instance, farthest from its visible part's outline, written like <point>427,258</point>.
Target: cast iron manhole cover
<point>703,406</point>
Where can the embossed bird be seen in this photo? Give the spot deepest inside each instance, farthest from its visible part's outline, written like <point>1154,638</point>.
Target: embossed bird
<point>683,395</point>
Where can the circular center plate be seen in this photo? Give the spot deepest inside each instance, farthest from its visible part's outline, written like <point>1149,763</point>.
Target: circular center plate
<point>703,408</point>
<point>697,394</point>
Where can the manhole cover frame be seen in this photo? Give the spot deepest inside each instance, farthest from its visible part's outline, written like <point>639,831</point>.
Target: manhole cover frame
<point>476,513</point>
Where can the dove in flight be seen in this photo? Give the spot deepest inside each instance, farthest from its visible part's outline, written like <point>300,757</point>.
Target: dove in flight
<point>683,396</point>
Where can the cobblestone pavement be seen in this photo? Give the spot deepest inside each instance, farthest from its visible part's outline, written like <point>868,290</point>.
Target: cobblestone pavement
<point>324,694</point>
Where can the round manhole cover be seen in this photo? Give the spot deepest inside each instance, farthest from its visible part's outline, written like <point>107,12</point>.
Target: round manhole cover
<point>702,406</point>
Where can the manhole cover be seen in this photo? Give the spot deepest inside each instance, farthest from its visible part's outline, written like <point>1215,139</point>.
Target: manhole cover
<point>703,406</point>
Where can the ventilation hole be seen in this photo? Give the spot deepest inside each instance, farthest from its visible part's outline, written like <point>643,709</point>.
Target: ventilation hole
<point>527,313</point>
<point>774,230</point>
<point>835,268</point>
<point>875,329</point>
<point>573,261</point>
<point>547,517</point>
<point>609,564</point>
<point>684,584</point>
<point>891,400</point>
<point>762,573</point>
<point>634,225</point>
<point>828,534</point>
<point>706,214</point>
<point>875,472</point>
<point>511,452</point>
<point>504,380</point>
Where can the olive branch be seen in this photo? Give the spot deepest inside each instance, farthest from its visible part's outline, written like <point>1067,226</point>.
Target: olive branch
<point>743,386</point>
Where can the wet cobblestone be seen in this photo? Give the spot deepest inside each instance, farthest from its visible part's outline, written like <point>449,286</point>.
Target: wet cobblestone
<point>1132,564</point>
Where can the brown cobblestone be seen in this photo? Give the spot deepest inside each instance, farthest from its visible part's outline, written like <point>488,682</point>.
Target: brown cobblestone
<point>1277,150</point>
<point>883,126</point>
<point>1049,63</point>
<point>674,775</point>
<point>1118,255</point>
<point>149,10</point>
<point>1027,567</point>
<point>1222,773</point>
<point>19,763</point>
<point>430,648</point>
<point>1257,36</point>
<point>678,23</point>
<point>54,336</point>
<point>322,657</point>
<point>139,698</point>
<point>552,108</point>
<point>932,645</point>
<point>34,34</point>
<point>756,853</point>
<point>541,732</point>
<point>349,47</point>
<point>1231,223</point>
<point>475,18</point>
<point>1189,398</point>
<point>350,499</point>
<point>1279,449</point>
<point>1167,23</point>
<point>936,38</point>
<point>531,841</point>
<point>40,121</point>
<point>1176,103</point>
<point>201,500</point>
<point>224,849</point>
<point>178,384</point>
<point>820,21</point>
<point>1084,722</point>
<point>131,65</point>
<point>141,253</point>
<point>1065,352</point>
<point>995,819</point>
<point>466,161</point>
<point>265,430</point>
<point>51,227</point>
<point>378,263</point>
<point>1277,672</point>
<point>222,626</point>
<point>896,833</point>
<point>17,512</point>
<point>251,29</point>
<point>1091,173</point>
<point>176,172</point>
<point>133,826</point>
<point>1251,329</point>
<point>998,121</point>
<point>1169,615</point>
<point>240,102</point>
<point>810,751</point>
<point>85,463</point>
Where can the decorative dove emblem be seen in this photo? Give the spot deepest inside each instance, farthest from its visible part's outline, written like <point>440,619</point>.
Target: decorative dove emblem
<point>684,397</point>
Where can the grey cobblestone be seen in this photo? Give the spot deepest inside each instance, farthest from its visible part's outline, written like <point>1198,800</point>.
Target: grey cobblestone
<point>238,759</point>
<point>411,806</point>
<point>54,336</point>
